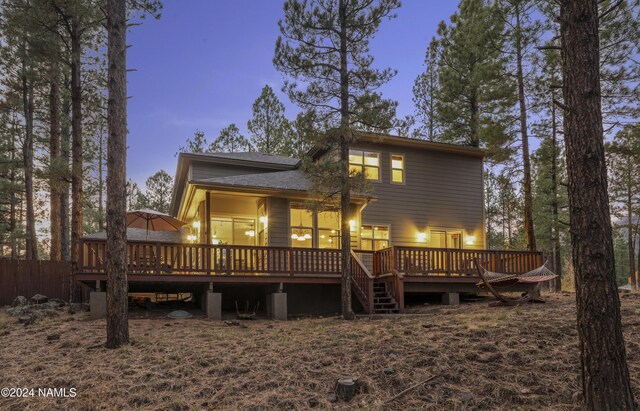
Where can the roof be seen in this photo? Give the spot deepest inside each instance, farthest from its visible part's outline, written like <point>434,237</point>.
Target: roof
<point>262,161</point>
<point>140,234</point>
<point>389,139</point>
<point>252,156</point>
<point>292,180</point>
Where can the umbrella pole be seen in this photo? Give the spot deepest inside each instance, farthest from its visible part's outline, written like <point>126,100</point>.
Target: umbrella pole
<point>147,238</point>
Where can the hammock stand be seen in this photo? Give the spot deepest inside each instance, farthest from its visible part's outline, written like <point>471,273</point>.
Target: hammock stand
<point>536,277</point>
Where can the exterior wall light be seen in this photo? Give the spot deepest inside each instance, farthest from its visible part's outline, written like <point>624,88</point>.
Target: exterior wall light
<point>470,240</point>
<point>352,225</point>
<point>196,224</point>
<point>263,219</point>
<point>422,237</point>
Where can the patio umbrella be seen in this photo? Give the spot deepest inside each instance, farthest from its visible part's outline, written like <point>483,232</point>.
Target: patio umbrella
<point>152,220</point>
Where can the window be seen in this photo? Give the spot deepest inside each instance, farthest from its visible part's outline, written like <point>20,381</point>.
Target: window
<point>301,222</point>
<point>236,231</point>
<point>263,237</point>
<point>445,239</point>
<point>329,229</point>
<point>365,162</point>
<point>397,168</point>
<point>374,237</point>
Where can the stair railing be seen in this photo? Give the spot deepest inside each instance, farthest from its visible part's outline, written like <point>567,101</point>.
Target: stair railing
<point>362,283</point>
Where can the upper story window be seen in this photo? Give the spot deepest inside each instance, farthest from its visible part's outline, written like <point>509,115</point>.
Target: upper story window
<point>397,168</point>
<point>365,162</point>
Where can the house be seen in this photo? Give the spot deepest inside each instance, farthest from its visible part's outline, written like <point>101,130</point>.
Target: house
<point>251,237</point>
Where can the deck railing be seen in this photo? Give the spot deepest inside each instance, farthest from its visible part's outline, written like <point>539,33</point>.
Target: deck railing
<point>166,258</point>
<point>424,261</point>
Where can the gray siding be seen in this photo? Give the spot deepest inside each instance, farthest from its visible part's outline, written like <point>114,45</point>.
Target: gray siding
<point>441,191</point>
<point>201,170</point>
<point>278,209</point>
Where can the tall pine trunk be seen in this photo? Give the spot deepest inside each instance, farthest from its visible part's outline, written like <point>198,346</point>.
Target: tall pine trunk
<point>13,201</point>
<point>76,146</point>
<point>27,161</point>
<point>101,178</point>
<point>557,258</point>
<point>524,134</point>
<point>630,233</point>
<point>117,304</point>
<point>345,192</point>
<point>605,376</point>
<point>65,241</point>
<point>54,158</point>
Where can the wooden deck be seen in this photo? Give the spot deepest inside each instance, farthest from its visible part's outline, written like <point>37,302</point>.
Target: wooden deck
<point>157,263</point>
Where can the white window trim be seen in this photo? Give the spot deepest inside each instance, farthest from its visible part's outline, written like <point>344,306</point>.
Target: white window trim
<point>404,169</point>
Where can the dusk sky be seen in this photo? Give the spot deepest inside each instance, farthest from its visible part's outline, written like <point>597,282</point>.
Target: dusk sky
<point>204,62</point>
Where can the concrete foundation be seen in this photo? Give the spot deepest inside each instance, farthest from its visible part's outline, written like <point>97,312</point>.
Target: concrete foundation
<point>277,306</point>
<point>98,304</point>
<point>450,298</point>
<point>213,306</point>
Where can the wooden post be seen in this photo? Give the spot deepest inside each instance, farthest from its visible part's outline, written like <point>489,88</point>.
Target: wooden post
<point>400,293</point>
<point>207,231</point>
<point>158,270</point>
<point>370,295</point>
<point>80,265</point>
<point>448,270</point>
<point>228,258</point>
<point>494,262</point>
<point>290,259</point>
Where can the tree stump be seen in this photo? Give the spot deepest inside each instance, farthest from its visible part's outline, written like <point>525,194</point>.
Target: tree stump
<point>346,388</point>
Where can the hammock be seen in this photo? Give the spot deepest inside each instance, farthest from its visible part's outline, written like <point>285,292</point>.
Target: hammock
<point>537,277</point>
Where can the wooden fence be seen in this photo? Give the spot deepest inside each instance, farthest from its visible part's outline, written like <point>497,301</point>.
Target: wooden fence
<point>27,278</point>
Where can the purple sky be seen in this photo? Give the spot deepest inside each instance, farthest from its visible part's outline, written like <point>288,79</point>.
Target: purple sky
<point>204,62</point>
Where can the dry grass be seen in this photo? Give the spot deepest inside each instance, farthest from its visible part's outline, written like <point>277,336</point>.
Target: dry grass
<point>198,364</point>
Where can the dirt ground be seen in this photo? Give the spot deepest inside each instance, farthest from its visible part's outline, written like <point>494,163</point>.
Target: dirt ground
<point>498,358</point>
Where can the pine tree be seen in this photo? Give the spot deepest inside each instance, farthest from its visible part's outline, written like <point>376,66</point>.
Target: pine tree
<point>605,374</point>
<point>324,44</point>
<point>198,144</point>
<point>476,94</point>
<point>425,94</point>
<point>158,191</point>
<point>619,30</point>
<point>305,127</point>
<point>117,299</point>
<point>230,140</point>
<point>270,130</point>
<point>624,188</point>
<point>523,32</point>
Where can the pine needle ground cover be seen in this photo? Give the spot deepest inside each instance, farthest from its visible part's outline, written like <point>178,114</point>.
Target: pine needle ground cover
<point>484,357</point>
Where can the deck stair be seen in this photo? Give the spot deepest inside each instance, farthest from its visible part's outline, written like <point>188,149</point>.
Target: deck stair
<point>383,302</point>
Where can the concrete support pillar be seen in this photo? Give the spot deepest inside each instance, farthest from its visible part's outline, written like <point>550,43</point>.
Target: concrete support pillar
<point>213,305</point>
<point>277,306</point>
<point>98,304</point>
<point>450,298</point>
